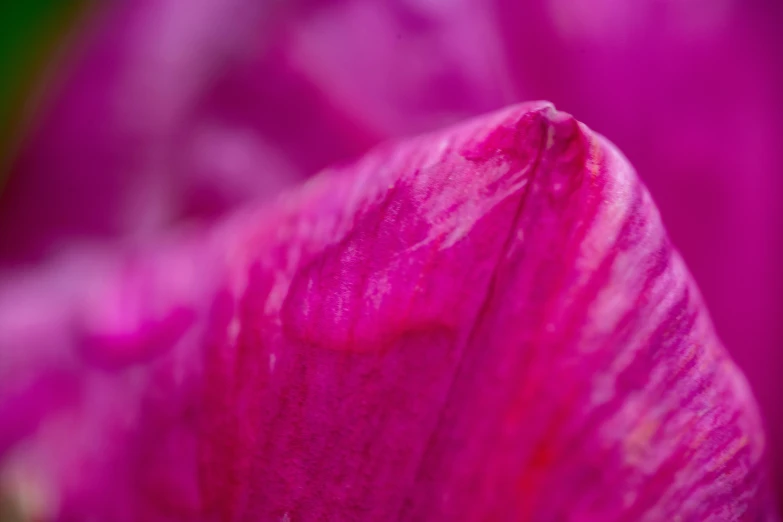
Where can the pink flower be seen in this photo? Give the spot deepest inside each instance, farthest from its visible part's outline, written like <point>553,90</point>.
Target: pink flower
<point>483,323</point>
<point>487,322</point>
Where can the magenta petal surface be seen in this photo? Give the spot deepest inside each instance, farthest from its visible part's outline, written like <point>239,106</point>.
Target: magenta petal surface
<point>485,323</point>
<point>690,91</point>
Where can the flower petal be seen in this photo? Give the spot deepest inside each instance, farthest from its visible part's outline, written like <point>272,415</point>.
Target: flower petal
<point>689,90</point>
<point>486,323</point>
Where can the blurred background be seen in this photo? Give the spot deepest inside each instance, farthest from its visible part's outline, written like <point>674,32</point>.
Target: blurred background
<point>119,120</point>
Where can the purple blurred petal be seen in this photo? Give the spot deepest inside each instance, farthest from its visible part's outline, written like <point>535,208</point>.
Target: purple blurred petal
<point>404,66</point>
<point>485,323</point>
<point>167,114</point>
<point>101,160</point>
<point>125,146</point>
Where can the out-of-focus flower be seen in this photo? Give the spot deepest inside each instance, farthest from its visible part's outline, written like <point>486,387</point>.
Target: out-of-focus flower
<point>166,114</point>
<point>485,323</point>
